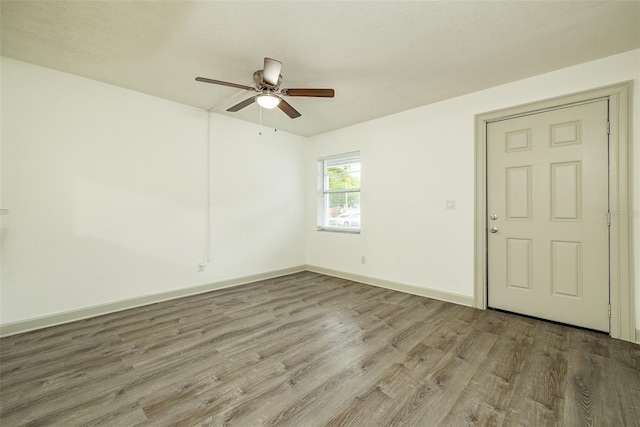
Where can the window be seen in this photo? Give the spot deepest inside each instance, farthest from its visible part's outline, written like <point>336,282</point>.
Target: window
<point>339,193</point>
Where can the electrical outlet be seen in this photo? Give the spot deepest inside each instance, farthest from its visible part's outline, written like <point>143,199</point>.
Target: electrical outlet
<point>451,204</point>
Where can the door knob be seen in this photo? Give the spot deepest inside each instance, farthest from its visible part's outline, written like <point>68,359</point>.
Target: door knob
<point>493,229</point>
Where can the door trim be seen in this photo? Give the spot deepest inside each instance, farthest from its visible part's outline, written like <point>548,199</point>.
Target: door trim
<point>620,198</point>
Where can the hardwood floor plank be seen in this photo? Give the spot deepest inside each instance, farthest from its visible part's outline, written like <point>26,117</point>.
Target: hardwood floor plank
<point>587,400</point>
<point>435,396</point>
<point>626,394</point>
<point>485,400</point>
<point>68,401</point>
<point>538,396</point>
<point>479,404</point>
<point>313,350</point>
<point>365,410</point>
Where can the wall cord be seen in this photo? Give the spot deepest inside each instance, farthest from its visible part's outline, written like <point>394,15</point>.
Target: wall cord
<point>207,226</point>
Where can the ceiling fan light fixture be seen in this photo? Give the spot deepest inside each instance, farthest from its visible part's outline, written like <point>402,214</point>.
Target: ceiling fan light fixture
<point>267,100</point>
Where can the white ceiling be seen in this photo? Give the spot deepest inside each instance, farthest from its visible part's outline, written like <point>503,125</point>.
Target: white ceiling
<point>380,57</point>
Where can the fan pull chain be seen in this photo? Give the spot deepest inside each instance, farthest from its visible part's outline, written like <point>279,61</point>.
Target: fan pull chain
<point>260,129</point>
<point>275,120</point>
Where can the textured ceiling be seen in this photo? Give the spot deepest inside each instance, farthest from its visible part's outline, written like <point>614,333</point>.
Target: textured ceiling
<point>380,57</point>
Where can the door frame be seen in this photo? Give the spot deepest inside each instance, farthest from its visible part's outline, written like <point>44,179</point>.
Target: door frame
<point>621,291</point>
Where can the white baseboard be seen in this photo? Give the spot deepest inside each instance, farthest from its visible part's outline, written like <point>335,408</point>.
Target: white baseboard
<point>101,309</point>
<point>395,286</point>
<point>98,310</point>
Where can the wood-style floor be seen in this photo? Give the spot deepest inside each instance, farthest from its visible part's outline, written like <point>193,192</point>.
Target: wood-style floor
<point>312,350</point>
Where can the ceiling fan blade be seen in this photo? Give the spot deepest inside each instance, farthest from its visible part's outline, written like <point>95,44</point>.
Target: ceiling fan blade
<point>243,104</point>
<point>320,93</point>
<point>271,71</point>
<point>288,109</point>
<point>220,82</point>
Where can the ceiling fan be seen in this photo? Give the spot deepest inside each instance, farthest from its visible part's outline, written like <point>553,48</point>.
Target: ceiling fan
<point>267,84</point>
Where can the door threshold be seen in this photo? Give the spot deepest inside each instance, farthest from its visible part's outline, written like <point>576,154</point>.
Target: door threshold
<point>548,321</point>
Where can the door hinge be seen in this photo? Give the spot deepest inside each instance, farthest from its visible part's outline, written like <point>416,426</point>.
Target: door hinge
<point>609,312</point>
<point>608,127</point>
<point>609,218</point>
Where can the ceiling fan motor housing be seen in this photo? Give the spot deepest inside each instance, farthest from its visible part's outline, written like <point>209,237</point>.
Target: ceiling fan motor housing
<point>258,79</point>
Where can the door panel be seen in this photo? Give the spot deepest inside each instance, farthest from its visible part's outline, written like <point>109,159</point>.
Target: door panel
<point>547,182</point>
<point>519,268</point>
<point>519,193</point>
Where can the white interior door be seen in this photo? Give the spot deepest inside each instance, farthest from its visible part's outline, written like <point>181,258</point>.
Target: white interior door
<point>547,201</point>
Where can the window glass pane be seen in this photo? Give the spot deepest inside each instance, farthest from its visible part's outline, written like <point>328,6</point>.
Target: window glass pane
<point>345,210</point>
<point>339,192</point>
<point>343,177</point>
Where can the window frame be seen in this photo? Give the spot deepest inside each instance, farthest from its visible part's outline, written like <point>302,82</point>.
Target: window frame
<point>323,193</point>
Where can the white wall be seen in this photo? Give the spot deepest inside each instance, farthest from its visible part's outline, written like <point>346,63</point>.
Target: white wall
<point>107,192</point>
<point>415,160</point>
<point>258,195</point>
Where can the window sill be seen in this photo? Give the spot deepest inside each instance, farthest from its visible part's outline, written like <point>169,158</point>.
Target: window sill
<point>340,230</point>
